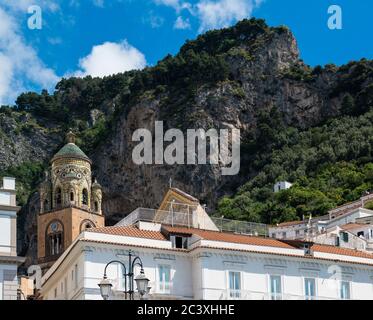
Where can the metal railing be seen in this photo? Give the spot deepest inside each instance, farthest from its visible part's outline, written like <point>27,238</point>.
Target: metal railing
<point>157,216</point>
<point>241,227</point>
<point>257,295</point>
<point>189,220</point>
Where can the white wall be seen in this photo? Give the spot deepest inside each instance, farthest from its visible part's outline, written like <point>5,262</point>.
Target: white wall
<point>5,232</point>
<point>255,271</point>
<point>8,285</point>
<point>9,183</point>
<point>203,274</point>
<point>5,198</point>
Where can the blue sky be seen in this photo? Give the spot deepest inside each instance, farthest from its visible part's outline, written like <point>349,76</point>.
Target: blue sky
<point>101,37</point>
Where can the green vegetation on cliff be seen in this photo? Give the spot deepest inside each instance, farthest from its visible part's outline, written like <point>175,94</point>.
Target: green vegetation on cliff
<point>329,165</point>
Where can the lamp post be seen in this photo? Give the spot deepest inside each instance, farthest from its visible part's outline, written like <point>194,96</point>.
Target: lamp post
<point>141,280</point>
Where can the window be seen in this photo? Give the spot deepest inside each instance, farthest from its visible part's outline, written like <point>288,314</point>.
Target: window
<point>96,206</point>
<point>66,293</point>
<point>85,197</point>
<point>46,205</point>
<point>360,234</point>
<point>297,233</point>
<point>275,287</point>
<point>54,239</point>
<point>345,236</point>
<point>234,284</point>
<point>55,244</point>
<point>58,197</point>
<point>164,278</point>
<point>86,224</point>
<point>55,292</point>
<point>337,241</point>
<point>310,288</point>
<point>345,290</point>
<point>76,276</point>
<point>71,196</point>
<point>307,249</point>
<point>179,242</point>
<point>284,235</point>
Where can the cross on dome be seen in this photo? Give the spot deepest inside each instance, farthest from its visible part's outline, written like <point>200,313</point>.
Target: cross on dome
<point>70,137</point>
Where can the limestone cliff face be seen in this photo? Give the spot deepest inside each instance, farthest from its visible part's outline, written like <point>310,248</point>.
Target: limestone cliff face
<point>22,140</point>
<point>258,83</point>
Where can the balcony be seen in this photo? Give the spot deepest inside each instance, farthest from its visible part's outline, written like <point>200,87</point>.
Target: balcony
<point>256,295</point>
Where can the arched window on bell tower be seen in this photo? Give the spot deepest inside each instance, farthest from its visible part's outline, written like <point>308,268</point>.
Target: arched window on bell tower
<point>46,205</point>
<point>58,197</point>
<point>71,196</point>
<point>85,197</point>
<point>86,224</point>
<point>96,206</point>
<point>54,239</point>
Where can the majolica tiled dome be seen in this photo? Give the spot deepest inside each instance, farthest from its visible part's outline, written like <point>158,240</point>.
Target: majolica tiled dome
<point>71,150</point>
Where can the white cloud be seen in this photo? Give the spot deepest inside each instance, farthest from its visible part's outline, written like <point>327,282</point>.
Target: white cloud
<point>178,5</point>
<point>182,24</point>
<point>98,3</point>
<point>54,40</point>
<point>212,14</point>
<point>222,13</point>
<point>110,58</point>
<point>154,20</point>
<point>22,5</point>
<point>19,62</point>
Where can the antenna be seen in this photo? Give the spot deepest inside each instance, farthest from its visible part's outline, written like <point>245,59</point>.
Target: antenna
<point>170,182</point>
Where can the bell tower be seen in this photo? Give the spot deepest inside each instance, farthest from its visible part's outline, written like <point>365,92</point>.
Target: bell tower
<point>70,202</point>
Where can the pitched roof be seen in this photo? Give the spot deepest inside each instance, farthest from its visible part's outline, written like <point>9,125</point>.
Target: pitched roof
<point>228,237</point>
<point>129,232</point>
<point>184,194</point>
<point>341,251</point>
<point>352,226</point>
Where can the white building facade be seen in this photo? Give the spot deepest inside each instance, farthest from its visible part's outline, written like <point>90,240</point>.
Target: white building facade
<point>209,265</point>
<point>8,237</point>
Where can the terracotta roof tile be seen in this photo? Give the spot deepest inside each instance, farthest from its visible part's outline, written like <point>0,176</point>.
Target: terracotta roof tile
<point>341,251</point>
<point>229,237</point>
<point>129,232</point>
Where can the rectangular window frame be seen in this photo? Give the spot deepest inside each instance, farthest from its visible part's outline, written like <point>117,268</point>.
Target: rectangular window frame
<point>164,287</point>
<point>306,296</point>
<point>273,295</point>
<point>341,292</point>
<point>234,293</point>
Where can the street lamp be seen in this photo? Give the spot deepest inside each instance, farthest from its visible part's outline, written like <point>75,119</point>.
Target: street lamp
<point>141,280</point>
<point>142,283</point>
<point>105,288</point>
